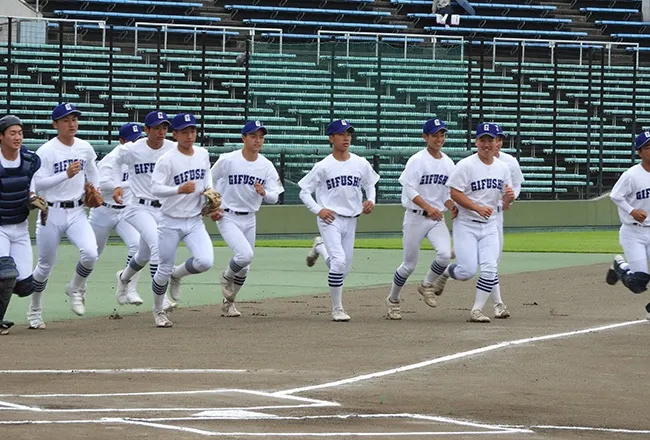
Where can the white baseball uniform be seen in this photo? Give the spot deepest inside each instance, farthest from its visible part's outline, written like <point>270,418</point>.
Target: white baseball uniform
<point>517,178</point>
<point>337,185</point>
<point>180,216</point>
<point>476,239</point>
<point>66,214</point>
<point>234,178</point>
<point>143,211</point>
<point>423,176</point>
<point>632,191</point>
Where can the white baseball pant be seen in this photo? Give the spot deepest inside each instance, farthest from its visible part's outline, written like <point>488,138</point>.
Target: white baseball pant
<point>192,232</point>
<point>635,241</point>
<point>338,238</point>
<point>104,219</point>
<point>15,243</point>
<point>145,220</point>
<point>238,231</point>
<point>74,224</point>
<point>414,229</point>
<point>499,220</point>
<point>476,245</point>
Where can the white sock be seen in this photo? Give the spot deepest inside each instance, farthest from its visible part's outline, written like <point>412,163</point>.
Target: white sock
<point>36,300</point>
<point>134,281</point>
<point>127,274</point>
<point>435,270</point>
<point>495,295</point>
<point>181,271</point>
<point>336,293</point>
<point>394,292</point>
<point>483,292</point>
<point>158,302</point>
<point>78,282</point>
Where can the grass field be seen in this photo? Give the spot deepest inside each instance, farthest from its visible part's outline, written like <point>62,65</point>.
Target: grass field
<point>601,242</point>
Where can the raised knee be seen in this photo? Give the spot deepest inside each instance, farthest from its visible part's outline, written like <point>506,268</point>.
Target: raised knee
<point>203,264</point>
<point>337,265</point>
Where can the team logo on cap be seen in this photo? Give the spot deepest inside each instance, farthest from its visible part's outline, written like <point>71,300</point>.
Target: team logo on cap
<point>647,134</point>
<point>135,129</point>
<point>436,122</point>
<point>160,115</point>
<point>344,122</point>
<point>187,118</point>
<point>68,107</point>
<point>258,124</point>
<point>486,127</point>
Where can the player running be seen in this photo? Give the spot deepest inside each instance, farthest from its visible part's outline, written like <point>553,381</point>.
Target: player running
<point>425,197</point>
<point>66,163</point>
<point>631,195</point>
<point>478,185</point>
<point>337,181</point>
<point>110,215</point>
<point>179,179</point>
<point>244,178</point>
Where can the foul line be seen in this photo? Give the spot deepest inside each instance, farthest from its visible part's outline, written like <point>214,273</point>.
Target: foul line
<point>456,356</point>
<point>127,371</point>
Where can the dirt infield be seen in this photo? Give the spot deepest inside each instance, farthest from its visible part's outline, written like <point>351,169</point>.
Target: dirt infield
<point>284,370</point>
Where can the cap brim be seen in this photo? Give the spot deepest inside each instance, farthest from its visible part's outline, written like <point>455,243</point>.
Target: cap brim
<point>158,123</point>
<point>436,130</point>
<point>71,112</point>
<point>134,138</point>
<point>180,127</point>
<point>256,130</point>
<point>486,134</point>
<point>643,145</point>
<point>350,129</point>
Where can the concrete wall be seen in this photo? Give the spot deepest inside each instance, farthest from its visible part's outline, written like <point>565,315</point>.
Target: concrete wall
<point>16,8</point>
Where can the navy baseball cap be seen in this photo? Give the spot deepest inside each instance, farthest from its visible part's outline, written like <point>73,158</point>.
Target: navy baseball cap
<point>433,126</point>
<point>641,140</point>
<point>252,127</point>
<point>155,118</point>
<point>63,110</point>
<point>183,120</point>
<point>131,132</point>
<point>486,129</point>
<point>500,131</point>
<point>339,126</point>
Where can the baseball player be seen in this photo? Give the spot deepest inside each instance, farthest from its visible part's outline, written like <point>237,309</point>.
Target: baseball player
<point>143,210</point>
<point>631,195</point>
<point>337,181</point>
<point>17,167</point>
<point>477,185</point>
<point>515,174</point>
<point>109,216</point>
<point>425,197</point>
<point>244,178</point>
<point>67,162</point>
<point>179,179</point>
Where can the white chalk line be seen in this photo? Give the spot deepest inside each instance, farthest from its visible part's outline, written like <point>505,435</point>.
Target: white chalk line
<point>459,355</point>
<point>128,371</point>
<point>586,428</point>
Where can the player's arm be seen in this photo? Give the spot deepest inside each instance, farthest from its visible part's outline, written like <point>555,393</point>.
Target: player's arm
<point>517,179</point>
<point>45,178</point>
<point>160,179</point>
<point>92,174</point>
<point>308,185</point>
<point>121,158</point>
<point>368,182</point>
<point>219,170</point>
<point>272,186</point>
<point>461,198</point>
<point>621,190</point>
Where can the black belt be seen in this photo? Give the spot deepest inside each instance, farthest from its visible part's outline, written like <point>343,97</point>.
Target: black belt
<point>154,203</point>
<point>113,206</point>
<point>236,212</point>
<point>478,221</point>
<point>420,212</point>
<point>641,224</point>
<point>66,204</point>
<point>348,216</point>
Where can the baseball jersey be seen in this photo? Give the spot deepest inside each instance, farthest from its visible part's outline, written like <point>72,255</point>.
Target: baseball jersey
<point>51,180</point>
<point>482,184</point>
<point>515,171</point>
<point>172,170</point>
<point>426,176</point>
<point>141,162</point>
<point>632,191</point>
<point>338,184</point>
<point>235,177</point>
<point>106,182</point>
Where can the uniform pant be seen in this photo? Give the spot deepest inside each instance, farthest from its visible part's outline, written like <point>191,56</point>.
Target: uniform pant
<point>499,220</point>
<point>476,246</point>
<point>74,224</point>
<point>414,229</point>
<point>15,243</point>
<point>238,231</point>
<point>145,220</point>
<point>338,238</point>
<point>104,219</point>
<point>635,241</point>
<point>192,232</point>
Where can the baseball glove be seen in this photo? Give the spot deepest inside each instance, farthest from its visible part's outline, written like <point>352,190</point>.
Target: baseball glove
<point>38,202</point>
<point>92,198</point>
<point>212,201</point>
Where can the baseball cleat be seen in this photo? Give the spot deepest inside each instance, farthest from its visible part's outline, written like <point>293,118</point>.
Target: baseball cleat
<point>169,305</point>
<point>428,295</point>
<point>501,311</point>
<point>227,288</point>
<point>175,288</point>
<point>439,284</point>
<point>313,253</point>
<point>121,289</point>
<point>394,310</point>
<point>5,326</point>
<point>611,278</point>
<point>647,311</point>
<point>229,310</point>
<point>476,315</point>
<point>76,300</point>
<point>616,266</point>
<point>339,315</point>
<point>133,298</point>
<point>35,318</point>
<point>162,321</point>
